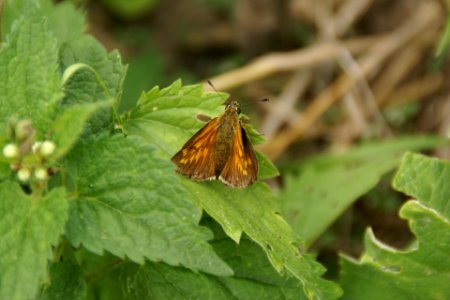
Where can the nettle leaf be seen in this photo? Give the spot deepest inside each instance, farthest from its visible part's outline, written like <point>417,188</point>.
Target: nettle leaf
<point>266,168</point>
<point>101,78</point>
<point>64,21</point>
<point>169,117</point>
<point>128,202</point>
<point>66,282</point>
<point>173,111</point>
<point>253,211</point>
<point>420,272</point>
<point>29,79</point>
<point>166,118</point>
<point>254,277</point>
<point>68,126</point>
<point>29,227</point>
<point>313,200</point>
<point>5,169</point>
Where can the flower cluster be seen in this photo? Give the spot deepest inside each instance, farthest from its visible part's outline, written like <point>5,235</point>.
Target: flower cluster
<point>27,157</point>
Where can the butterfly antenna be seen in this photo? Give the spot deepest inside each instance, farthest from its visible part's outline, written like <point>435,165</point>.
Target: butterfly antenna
<point>214,88</point>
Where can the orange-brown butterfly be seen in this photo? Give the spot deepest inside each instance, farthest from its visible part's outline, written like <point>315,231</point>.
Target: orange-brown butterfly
<point>220,150</point>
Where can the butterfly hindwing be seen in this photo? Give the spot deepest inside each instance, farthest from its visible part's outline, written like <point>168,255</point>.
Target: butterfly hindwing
<point>241,168</point>
<point>196,159</point>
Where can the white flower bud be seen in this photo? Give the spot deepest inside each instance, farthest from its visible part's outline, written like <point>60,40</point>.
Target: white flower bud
<point>41,174</point>
<point>36,146</point>
<point>24,174</point>
<point>47,148</point>
<point>11,151</point>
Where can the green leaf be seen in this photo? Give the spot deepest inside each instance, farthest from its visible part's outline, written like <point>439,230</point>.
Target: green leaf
<point>129,203</point>
<point>266,168</point>
<point>254,277</point>
<point>166,118</point>
<point>145,70</point>
<point>29,226</point>
<point>130,9</point>
<point>5,170</point>
<point>421,272</point>
<point>66,282</point>
<point>313,200</point>
<point>101,78</point>
<point>65,22</point>
<point>253,211</point>
<point>164,110</point>
<point>425,179</point>
<point>29,80</point>
<point>70,124</point>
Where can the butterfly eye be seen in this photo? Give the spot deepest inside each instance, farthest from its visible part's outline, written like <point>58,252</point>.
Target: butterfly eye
<point>236,106</point>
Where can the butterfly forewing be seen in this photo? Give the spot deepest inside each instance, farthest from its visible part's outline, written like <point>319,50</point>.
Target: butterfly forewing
<point>241,168</point>
<point>196,159</point>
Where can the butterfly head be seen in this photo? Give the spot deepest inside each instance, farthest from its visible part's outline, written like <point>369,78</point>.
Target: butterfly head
<point>234,105</point>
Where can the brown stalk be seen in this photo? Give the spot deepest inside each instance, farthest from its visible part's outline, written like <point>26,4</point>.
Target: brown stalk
<point>282,109</point>
<point>425,16</point>
<point>295,60</point>
<point>349,13</point>
<point>415,90</point>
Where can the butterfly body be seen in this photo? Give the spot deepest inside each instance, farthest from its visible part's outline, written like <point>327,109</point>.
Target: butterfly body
<point>219,150</point>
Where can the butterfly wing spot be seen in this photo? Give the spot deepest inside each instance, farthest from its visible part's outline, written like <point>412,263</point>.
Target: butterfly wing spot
<point>194,160</point>
<point>200,154</point>
<point>248,162</point>
<point>240,152</point>
<point>241,168</point>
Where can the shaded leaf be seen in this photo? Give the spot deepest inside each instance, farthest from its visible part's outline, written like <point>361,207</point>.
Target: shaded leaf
<point>420,272</point>
<point>64,21</point>
<point>66,282</point>
<point>254,277</point>
<point>313,200</point>
<point>130,9</point>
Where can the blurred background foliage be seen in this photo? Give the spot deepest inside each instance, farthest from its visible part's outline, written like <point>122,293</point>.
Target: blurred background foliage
<point>352,85</point>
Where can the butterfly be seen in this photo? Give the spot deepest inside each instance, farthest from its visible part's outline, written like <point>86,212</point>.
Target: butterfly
<point>220,150</point>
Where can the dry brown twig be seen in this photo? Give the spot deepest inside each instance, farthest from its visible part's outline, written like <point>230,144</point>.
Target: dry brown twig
<point>424,18</point>
<point>282,109</point>
<point>288,61</point>
<point>360,98</point>
<point>398,68</point>
<point>348,14</point>
<point>401,66</point>
<point>414,90</point>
